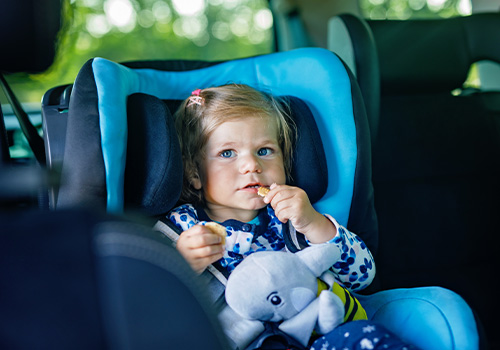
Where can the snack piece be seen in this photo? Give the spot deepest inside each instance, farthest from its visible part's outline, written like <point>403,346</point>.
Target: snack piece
<point>263,191</point>
<point>218,229</point>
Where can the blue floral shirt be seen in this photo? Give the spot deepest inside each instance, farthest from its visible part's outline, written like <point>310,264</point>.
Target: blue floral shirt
<point>355,270</point>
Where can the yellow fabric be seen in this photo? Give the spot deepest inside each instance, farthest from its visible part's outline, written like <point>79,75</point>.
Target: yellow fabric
<point>350,302</point>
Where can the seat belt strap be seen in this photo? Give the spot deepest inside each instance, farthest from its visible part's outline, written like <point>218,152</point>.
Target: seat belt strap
<point>34,139</point>
<point>174,236</point>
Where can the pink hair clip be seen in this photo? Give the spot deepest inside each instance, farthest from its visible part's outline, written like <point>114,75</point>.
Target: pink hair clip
<point>195,98</point>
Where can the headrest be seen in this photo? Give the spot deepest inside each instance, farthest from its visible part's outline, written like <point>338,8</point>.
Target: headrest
<point>315,75</point>
<point>351,38</point>
<point>28,31</point>
<point>433,55</point>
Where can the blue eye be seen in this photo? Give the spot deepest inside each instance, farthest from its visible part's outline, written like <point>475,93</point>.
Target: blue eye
<point>264,151</point>
<point>227,154</point>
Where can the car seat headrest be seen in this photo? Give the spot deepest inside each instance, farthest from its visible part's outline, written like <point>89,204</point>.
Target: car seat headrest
<point>99,101</point>
<point>433,55</point>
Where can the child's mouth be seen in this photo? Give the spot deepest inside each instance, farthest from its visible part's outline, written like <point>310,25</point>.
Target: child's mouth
<point>253,186</point>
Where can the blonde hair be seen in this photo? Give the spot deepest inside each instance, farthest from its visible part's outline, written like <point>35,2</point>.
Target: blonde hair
<point>201,113</point>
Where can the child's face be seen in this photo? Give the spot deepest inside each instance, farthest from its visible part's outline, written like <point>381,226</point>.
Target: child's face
<point>241,155</point>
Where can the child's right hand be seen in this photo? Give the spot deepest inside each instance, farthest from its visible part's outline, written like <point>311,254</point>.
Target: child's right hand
<point>200,247</point>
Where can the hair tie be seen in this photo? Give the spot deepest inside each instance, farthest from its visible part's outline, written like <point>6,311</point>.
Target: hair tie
<point>195,98</point>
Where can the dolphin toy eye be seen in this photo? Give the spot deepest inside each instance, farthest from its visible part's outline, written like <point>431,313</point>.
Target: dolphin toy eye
<point>274,299</point>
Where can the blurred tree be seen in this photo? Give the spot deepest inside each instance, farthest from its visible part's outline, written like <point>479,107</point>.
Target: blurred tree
<point>124,30</point>
<point>406,9</point>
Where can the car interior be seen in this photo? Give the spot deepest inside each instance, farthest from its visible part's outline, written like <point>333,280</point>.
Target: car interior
<point>409,151</point>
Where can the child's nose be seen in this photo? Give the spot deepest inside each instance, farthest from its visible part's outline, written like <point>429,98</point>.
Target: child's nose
<point>250,164</point>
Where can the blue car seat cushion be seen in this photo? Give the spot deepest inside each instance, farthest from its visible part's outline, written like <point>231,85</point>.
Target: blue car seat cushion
<point>153,169</point>
<point>442,315</point>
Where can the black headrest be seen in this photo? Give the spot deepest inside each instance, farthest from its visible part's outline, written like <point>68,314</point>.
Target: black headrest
<point>28,30</point>
<point>433,55</point>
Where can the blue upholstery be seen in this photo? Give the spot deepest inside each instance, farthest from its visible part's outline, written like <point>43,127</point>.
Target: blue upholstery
<point>115,82</point>
<point>430,318</point>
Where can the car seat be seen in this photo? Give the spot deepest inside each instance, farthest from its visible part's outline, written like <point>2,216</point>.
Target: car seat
<point>97,162</point>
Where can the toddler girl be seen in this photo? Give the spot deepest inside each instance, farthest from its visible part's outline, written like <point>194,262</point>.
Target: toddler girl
<point>235,139</point>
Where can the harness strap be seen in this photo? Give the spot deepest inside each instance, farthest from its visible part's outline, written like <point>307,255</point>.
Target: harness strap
<point>173,235</point>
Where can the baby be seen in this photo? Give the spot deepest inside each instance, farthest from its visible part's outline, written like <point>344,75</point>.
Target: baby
<point>235,141</point>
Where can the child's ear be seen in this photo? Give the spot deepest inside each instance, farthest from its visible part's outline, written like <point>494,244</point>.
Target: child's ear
<point>195,181</point>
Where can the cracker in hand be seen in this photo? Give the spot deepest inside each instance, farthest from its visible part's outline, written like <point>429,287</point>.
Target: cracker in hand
<point>218,229</point>
<point>263,191</point>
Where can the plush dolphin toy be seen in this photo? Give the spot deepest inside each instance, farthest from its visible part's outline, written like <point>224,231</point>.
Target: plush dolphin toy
<point>283,287</point>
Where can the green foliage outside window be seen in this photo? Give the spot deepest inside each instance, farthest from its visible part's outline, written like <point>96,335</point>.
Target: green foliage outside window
<point>414,9</point>
<point>125,30</point>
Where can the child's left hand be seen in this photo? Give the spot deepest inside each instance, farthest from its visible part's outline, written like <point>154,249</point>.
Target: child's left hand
<point>292,203</point>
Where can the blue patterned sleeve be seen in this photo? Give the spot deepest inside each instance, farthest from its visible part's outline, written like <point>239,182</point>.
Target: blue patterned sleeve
<point>355,269</point>
<point>184,216</point>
